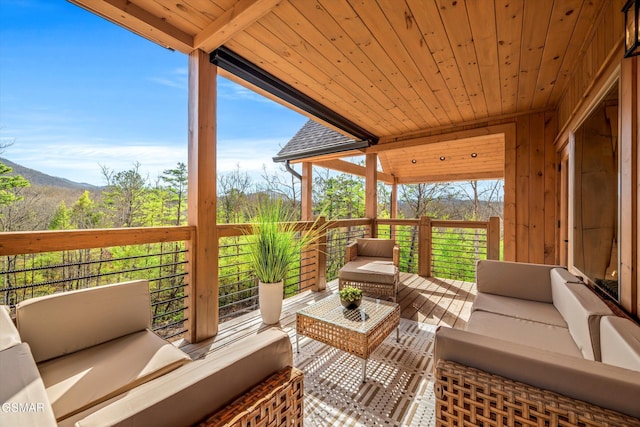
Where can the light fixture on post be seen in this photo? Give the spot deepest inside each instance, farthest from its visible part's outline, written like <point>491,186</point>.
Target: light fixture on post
<point>631,41</point>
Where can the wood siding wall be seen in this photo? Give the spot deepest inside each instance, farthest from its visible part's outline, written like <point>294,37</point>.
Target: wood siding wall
<point>530,219</point>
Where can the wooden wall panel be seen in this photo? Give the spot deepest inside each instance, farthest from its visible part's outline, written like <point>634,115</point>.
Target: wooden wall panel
<point>530,172</point>
<point>604,49</point>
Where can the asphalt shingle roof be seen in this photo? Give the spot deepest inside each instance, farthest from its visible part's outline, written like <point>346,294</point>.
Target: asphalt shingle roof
<point>313,138</point>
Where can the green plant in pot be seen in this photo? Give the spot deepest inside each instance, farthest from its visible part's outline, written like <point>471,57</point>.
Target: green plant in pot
<point>275,242</point>
<point>350,297</point>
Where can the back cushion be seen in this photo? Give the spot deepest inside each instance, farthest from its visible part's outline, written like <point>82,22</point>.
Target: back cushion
<point>381,248</point>
<point>63,323</point>
<point>620,342</point>
<point>581,309</point>
<point>514,279</point>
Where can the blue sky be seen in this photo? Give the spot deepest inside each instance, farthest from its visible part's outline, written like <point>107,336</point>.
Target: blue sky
<point>78,92</point>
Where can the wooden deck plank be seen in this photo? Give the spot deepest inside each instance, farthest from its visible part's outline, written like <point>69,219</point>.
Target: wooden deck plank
<point>428,300</point>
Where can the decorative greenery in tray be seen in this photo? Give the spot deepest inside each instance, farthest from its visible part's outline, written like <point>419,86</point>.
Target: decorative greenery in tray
<point>350,297</point>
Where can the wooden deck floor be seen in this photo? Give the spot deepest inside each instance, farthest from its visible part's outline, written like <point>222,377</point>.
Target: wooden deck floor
<point>427,300</point>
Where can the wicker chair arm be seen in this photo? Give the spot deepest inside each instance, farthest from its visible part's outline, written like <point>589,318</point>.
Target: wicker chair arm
<point>396,256</point>
<point>278,400</point>
<point>351,251</point>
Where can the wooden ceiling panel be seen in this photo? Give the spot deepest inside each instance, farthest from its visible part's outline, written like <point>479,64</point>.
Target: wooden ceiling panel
<point>534,32</point>
<point>454,17</point>
<point>393,67</point>
<point>357,31</point>
<point>463,159</point>
<point>509,15</point>
<point>563,21</point>
<point>486,44</point>
<point>580,36</point>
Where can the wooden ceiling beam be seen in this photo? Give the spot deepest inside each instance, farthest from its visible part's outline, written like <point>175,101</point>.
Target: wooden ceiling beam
<point>234,20</point>
<point>141,22</point>
<point>463,176</point>
<point>353,169</point>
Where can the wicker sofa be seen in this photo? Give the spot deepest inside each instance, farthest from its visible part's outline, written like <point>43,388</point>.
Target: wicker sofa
<point>540,349</point>
<point>88,358</point>
<point>371,264</point>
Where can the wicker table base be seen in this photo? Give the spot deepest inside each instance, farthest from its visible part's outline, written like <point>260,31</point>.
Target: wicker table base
<point>359,331</point>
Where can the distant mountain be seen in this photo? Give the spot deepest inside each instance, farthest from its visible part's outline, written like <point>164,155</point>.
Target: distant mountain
<point>39,178</point>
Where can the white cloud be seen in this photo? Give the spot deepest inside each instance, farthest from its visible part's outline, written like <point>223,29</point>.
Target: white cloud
<point>177,78</point>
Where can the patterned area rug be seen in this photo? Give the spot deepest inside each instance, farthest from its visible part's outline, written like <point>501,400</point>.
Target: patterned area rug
<point>398,390</point>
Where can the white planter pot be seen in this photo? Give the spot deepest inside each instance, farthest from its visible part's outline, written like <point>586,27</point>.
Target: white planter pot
<point>270,300</point>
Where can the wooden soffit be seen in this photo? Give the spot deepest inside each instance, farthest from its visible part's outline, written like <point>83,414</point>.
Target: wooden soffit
<point>394,67</point>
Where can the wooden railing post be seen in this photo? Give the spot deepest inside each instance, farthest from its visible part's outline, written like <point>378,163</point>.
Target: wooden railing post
<point>373,228</point>
<point>424,247</point>
<point>321,257</point>
<point>493,238</point>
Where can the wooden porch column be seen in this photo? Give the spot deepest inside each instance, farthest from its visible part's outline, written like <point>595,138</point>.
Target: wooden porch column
<point>371,191</point>
<point>306,191</point>
<point>424,247</point>
<point>493,238</point>
<point>394,206</point>
<point>202,268</point>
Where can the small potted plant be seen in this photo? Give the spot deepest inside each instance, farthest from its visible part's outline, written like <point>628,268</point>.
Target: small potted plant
<point>350,297</point>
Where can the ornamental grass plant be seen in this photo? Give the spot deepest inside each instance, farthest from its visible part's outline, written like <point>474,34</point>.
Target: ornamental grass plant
<point>275,241</point>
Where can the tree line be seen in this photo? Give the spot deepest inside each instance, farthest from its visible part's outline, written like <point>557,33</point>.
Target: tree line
<point>128,199</point>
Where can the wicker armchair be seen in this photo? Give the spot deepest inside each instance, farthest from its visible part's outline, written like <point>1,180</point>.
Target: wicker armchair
<point>372,265</point>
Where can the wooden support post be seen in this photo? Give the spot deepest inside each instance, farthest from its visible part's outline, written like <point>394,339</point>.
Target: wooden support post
<point>371,191</point>
<point>628,193</point>
<point>321,257</point>
<point>394,207</point>
<point>202,268</point>
<point>309,269</point>
<point>424,247</point>
<point>493,238</point>
<point>307,191</point>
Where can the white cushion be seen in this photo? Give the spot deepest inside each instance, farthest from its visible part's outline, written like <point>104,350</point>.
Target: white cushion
<point>9,335</point>
<point>525,332</point>
<point>620,342</point>
<point>522,309</point>
<point>20,384</point>
<point>62,323</point>
<point>581,309</point>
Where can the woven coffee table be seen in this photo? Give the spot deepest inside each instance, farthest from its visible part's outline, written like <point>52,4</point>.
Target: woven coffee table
<point>359,331</point>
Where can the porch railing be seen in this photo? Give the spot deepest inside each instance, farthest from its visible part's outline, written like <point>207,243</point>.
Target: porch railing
<point>42,263</point>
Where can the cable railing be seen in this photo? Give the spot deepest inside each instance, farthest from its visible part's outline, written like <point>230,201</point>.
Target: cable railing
<point>60,261</point>
<point>43,263</point>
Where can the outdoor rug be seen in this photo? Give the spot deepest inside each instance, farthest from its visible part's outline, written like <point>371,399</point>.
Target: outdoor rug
<point>398,390</point>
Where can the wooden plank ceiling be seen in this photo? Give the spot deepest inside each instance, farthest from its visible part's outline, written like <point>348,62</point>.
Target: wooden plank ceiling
<point>394,67</point>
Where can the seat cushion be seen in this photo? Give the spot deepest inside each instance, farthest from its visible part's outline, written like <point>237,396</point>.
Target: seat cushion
<point>525,332</point>
<point>63,323</point>
<point>185,396</point>
<point>371,247</point>
<point>8,333</point>
<point>366,269</point>
<point>581,309</point>
<point>620,342</point>
<point>22,390</point>
<point>82,379</point>
<point>522,309</point>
